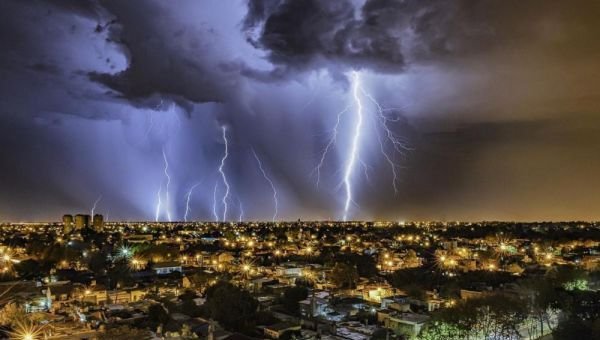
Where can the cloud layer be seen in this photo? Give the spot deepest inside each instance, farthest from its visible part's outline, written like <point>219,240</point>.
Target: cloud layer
<point>498,100</point>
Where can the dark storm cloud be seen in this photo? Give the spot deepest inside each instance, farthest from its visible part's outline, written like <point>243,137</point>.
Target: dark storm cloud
<point>165,57</point>
<point>301,34</point>
<point>47,50</point>
<point>387,35</point>
<point>86,8</point>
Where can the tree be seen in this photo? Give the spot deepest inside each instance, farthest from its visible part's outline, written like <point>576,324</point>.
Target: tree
<point>231,306</point>
<point>36,246</point>
<point>157,315</point>
<point>571,328</point>
<point>569,277</point>
<point>202,279</point>
<point>498,316</point>
<point>365,264</point>
<point>11,314</point>
<point>421,276</point>
<point>344,275</point>
<point>190,308</point>
<point>581,315</point>
<point>415,292</point>
<point>489,317</point>
<point>160,252</point>
<point>29,269</point>
<point>291,298</point>
<point>442,330</point>
<point>265,318</point>
<point>543,302</point>
<point>98,263</point>
<point>119,273</point>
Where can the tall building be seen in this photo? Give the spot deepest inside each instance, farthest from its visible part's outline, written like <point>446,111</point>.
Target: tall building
<point>98,222</point>
<point>67,223</point>
<point>82,221</point>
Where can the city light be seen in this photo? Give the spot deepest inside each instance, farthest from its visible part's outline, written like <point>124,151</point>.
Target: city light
<point>286,169</point>
<point>26,330</point>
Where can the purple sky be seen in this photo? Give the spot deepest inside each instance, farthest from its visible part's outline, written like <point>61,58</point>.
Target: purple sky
<point>497,102</point>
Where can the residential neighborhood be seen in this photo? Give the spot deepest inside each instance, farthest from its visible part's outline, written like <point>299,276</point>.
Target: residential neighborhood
<point>301,280</point>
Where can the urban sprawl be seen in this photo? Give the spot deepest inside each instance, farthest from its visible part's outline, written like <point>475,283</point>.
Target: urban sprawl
<point>84,278</point>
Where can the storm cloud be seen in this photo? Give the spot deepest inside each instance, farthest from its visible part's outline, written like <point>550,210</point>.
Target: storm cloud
<point>497,100</point>
<point>386,35</point>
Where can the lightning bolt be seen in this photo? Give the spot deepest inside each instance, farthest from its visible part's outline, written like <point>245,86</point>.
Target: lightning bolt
<point>354,151</point>
<point>215,214</point>
<point>166,171</point>
<point>158,203</point>
<point>95,204</point>
<point>187,201</point>
<point>241,218</point>
<point>268,179</point>
<point>385,137</point>
<point>159,193</point>
<point>151,118</point>
<point>399,144</point>
<point>330,143</point>
<point>222,171</point>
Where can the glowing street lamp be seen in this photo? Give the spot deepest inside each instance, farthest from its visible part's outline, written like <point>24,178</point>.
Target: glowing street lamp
<point>27,331</point>
<point>125,252</point>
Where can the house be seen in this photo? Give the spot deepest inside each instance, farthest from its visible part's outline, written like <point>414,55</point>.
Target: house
<point>98,295</point>
<point>375,292</point>
<point>33,295</point>
<point>61,292</point>
<point>276,330</point>
<point>407,324</point>
<point>139,238</point>
<point>220,260</point>
<point>224,258</point>
<point>164,268</point>
<point>289,271</point>
<point>466,294</point>
<point>314,306</point>
<point>257,284</point>
<point>399,303</point>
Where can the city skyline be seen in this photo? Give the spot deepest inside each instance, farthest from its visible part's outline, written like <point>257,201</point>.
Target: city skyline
<point>284,110</point>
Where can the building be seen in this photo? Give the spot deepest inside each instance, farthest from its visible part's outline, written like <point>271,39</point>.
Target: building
<point>375,292</point>
<point>138,238</point>
<point>164,268</point>
<point>98,222</point>
<point>277,330</point>
<point>406,324</point>
<point>67,223</point>
<point>99,295</point>
<point>82,221</point>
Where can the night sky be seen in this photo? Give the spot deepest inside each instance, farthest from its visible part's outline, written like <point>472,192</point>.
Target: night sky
<point>497,104</point>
